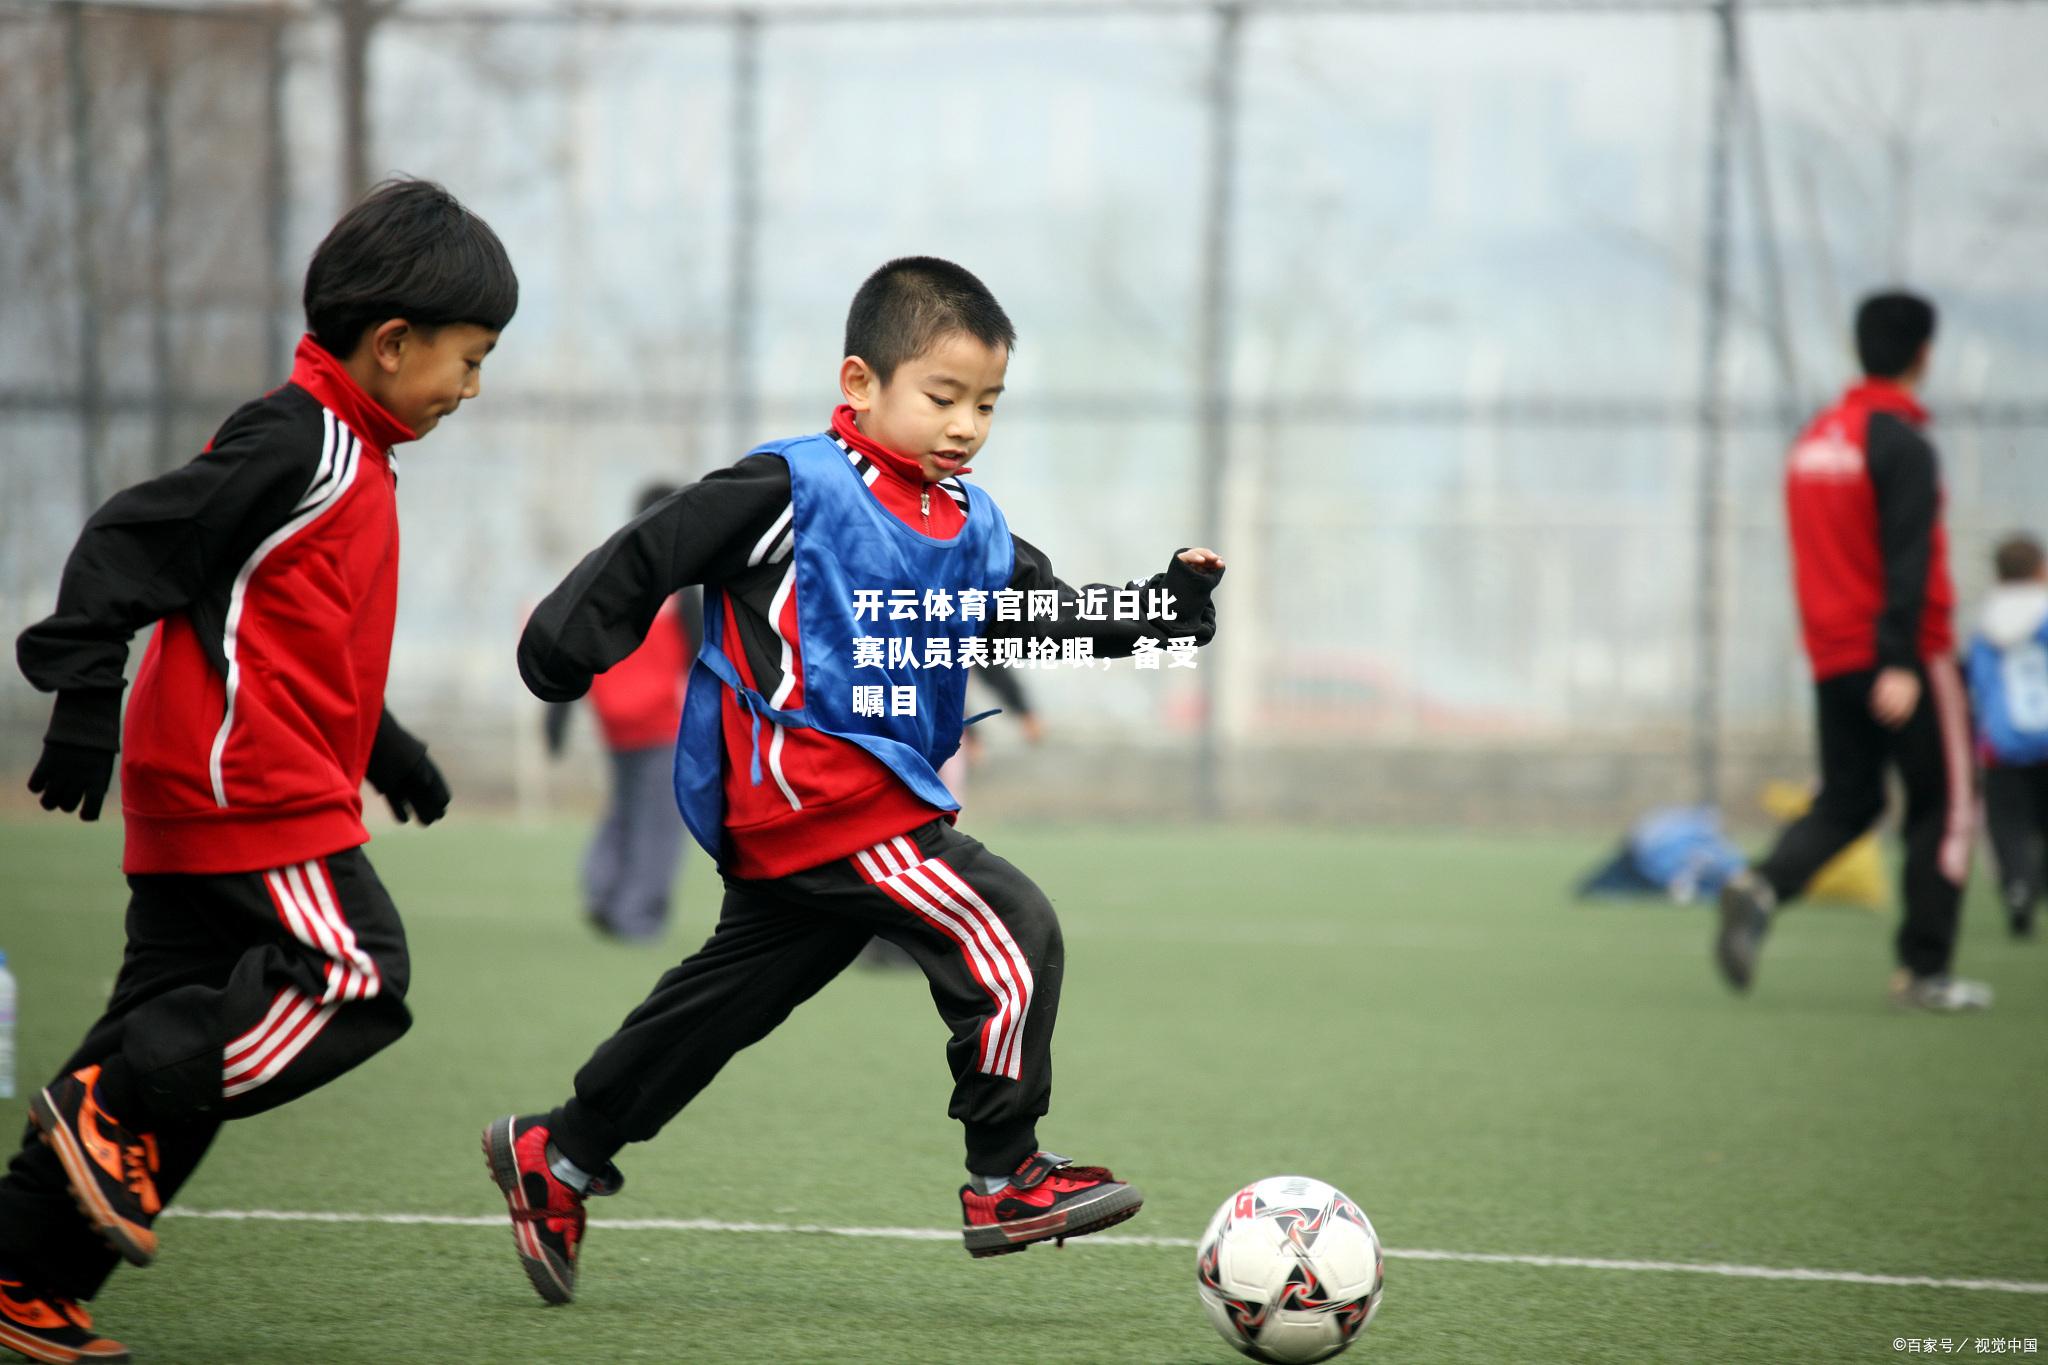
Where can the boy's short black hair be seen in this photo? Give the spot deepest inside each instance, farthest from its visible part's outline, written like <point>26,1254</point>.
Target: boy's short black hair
<point>901,309</point>
<point>408,249</point>
<point>1890,330</point>
<point>2018,558</point>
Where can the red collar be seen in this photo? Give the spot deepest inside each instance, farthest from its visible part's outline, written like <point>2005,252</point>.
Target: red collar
<point>888,461</point>
<point>1884,395</point>
<point>315,369</point>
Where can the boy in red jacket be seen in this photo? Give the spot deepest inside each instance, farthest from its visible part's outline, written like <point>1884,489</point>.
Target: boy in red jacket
<point>264,958</point>
<point>807,762</point>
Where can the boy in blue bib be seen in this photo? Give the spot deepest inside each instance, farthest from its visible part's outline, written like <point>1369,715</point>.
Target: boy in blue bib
<point>851,578</point>
<point>2008,672</point>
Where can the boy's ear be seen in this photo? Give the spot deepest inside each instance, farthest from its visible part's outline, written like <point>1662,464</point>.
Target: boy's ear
<point>387,342</point>
<point>857,383</point>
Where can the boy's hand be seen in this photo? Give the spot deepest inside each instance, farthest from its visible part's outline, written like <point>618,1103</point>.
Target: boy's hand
<point>401,770</point>
<point>1894,696</point>
<point>1191,576</point>
<point>73,777</point>
<point>422,791</point>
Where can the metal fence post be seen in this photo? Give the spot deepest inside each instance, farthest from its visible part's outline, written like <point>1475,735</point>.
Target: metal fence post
<point>157,180</point>
<point>84,225</point>
<point>1212,378</point>
<point>1777,319</point>
<point>1712,423</point>
<point>276,194</point>
<point>358,19</point>
<point>745,144</point>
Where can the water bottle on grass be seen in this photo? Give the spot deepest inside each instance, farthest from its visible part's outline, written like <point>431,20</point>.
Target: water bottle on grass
<point>6,1030</point>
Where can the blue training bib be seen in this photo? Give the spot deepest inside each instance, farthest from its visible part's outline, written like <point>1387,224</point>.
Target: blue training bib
<point>849,548</point>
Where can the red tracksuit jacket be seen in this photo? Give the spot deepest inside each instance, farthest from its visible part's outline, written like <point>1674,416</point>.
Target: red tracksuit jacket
<point>271,561</point>
<point>1869,554</point>
<point>639,699</point>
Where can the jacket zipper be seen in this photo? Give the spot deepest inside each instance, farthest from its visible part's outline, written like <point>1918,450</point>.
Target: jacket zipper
<point>925,503</point>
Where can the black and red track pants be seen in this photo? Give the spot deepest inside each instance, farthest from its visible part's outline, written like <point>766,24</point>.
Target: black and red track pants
<point>982,932</point>
<point>236,994</point>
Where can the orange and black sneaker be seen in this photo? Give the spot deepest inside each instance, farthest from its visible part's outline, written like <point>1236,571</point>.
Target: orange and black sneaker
<point>1048,1199</point>
<point>547,1213</point>
<point>111,1168</point>
<point>54,1330</point>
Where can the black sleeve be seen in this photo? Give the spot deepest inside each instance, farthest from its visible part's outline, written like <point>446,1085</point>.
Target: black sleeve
<point>554,726</point>
<point>690,609</point>
<point>1194,613</point>
<point>1903,473</point>
<point>704,533</point>
<point>151,551</point>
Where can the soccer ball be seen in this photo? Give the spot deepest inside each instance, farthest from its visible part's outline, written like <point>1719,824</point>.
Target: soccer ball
<point>1290,1270</point>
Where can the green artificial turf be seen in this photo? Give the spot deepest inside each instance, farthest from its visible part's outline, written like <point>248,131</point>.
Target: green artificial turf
<point>1427,1021</point>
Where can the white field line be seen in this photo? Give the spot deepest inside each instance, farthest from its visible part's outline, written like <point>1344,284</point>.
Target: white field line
<point>1739,1272</point>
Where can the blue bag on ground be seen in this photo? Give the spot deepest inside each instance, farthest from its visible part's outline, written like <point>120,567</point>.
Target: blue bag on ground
<point>1678,851</point>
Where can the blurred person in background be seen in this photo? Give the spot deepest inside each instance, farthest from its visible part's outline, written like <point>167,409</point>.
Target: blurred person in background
<point>1870,571</point>
<point>629,870</point>
<point>1016,703</point>
<point>2008,670</point>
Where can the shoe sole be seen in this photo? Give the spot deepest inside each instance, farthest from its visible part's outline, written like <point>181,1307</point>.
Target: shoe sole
<point>136,1244</point>
<point>1734,950</point>
<point>1909,1006</point>
<point>1077,1219</point>
<point>552,1278</point>
<point>35,1349</point>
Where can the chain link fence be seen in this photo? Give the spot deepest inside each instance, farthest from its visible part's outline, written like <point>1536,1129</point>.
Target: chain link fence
<point>1472,334</point>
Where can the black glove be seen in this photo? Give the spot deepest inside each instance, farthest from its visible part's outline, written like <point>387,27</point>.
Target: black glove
<point>78,751</point>
<point>400,769</point>
<point>555,727</point>
<point>73,777</point>
<point>1193,611</point>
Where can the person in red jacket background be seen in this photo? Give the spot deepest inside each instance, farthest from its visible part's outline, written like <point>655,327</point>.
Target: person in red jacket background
<point>629,870</point>
<point>1876,609</point>
<point>264,958</point>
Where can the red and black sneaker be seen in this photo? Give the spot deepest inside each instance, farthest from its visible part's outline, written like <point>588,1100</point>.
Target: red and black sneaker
<point>110,1168</point>
<point>547,1215</point>
<point>1048,1199</point>
<point>57,1331</point>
